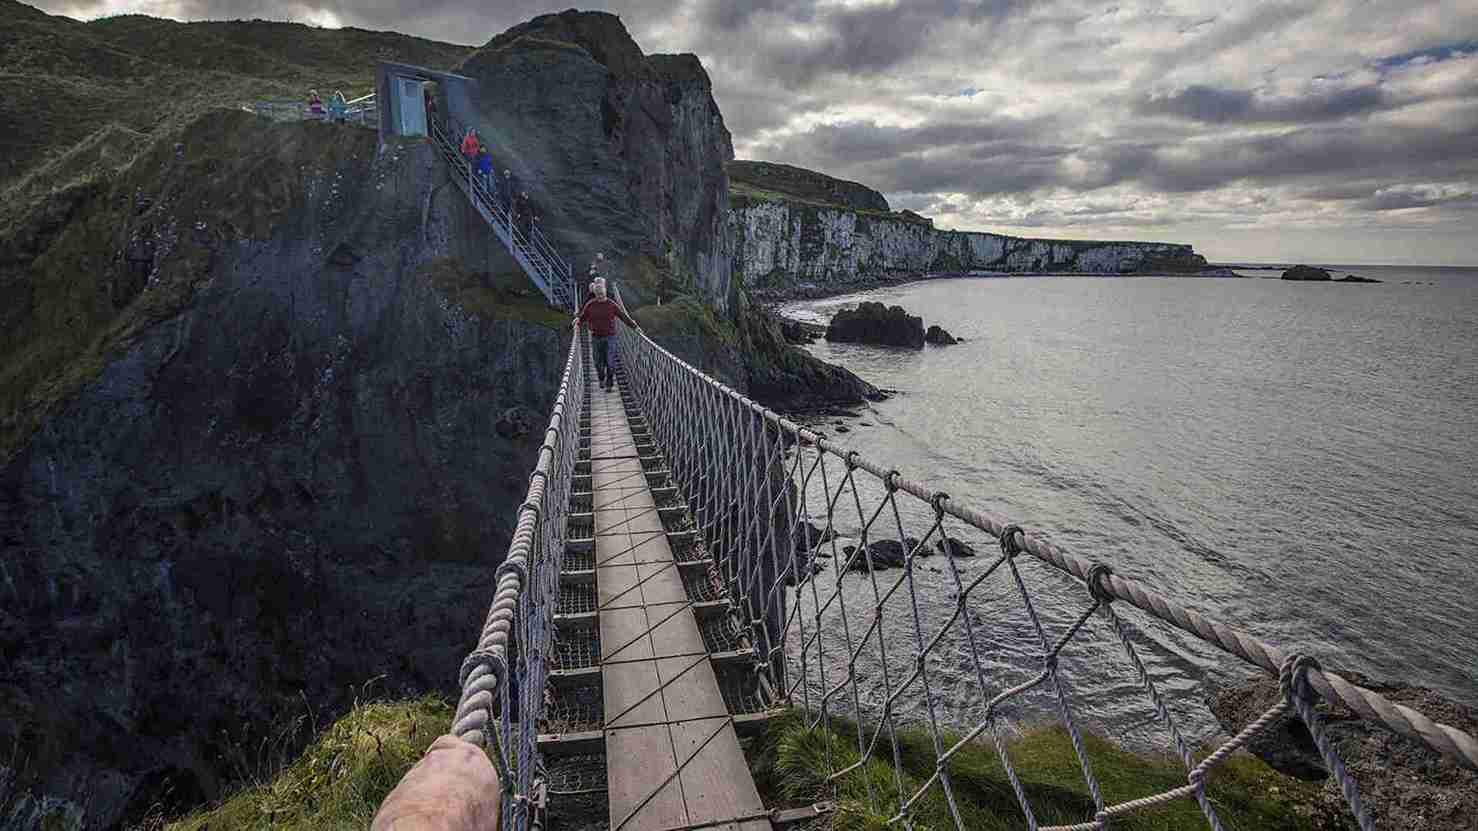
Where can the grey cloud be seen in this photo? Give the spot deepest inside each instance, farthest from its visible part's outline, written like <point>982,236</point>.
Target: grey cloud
<point>1220,106</point>
<point>1395,199</point>
<point>1223,35</point>
<point>845,40</point>
<point>1084,75</point>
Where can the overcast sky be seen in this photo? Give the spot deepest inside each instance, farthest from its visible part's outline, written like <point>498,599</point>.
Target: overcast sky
<point>1339,131</point>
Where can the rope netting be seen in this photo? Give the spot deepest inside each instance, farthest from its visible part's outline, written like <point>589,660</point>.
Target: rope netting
<point>790,518</point>
<point>503,679</point>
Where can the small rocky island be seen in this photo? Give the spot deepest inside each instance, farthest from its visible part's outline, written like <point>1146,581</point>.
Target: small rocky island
<point>875,323</point>
<point>1310,274</point>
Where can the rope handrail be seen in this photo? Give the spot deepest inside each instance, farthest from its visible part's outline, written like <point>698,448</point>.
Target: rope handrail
<point>753,479</point>
<point>1367,703</point>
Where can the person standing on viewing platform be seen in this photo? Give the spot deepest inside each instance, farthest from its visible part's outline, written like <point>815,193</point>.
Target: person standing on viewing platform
<point>601,313</point>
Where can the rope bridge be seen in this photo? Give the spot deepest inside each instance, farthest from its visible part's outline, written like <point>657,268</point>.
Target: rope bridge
<point>753,483</point>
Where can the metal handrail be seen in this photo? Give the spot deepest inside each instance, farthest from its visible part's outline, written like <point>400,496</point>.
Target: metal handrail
<point>552,279</point>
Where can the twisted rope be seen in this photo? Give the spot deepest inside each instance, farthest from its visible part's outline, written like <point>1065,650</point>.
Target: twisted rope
<point>727,457</point>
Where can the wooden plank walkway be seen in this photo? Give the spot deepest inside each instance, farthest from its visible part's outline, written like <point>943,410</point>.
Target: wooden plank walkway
<point>673,760</point>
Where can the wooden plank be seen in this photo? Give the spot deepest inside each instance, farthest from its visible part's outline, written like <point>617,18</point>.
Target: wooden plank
<point>630,694</point>
<point>660,583</point>
<point>616,587</point>
<point>611,519</point>
<point>572,744</point>
<point>690,690</point>
<point>717,784</point>
<point>644,521</point>
<point>624,635</point>
<point>674,632</point>
<point>651,548</point>
<point>638,760</point>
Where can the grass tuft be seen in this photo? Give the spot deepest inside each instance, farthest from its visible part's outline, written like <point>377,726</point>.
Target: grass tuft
<point>338,781</point>
<point>790,763</point>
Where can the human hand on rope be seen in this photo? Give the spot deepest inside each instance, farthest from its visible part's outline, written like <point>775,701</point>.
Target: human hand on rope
<point>452,788</point>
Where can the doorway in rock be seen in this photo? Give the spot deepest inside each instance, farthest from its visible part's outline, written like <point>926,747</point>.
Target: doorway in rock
<point>434,105</point>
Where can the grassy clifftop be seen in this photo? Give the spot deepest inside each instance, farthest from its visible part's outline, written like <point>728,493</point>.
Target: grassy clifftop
<point>105,257</point>
<point>348,769</point>
<point>65,80</point>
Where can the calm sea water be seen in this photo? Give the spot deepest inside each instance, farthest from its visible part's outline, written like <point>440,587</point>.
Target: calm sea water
<point>1298,460</point>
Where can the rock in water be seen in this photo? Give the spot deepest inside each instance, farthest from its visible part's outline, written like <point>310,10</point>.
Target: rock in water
<point>1307,273</point>
<point>808,536</point>
<point>955,548</point>
<point>1403,784</point>
<point>875,323</point>
<point>939,337</point>
<point>1353,278</point>
<point>794,332</point>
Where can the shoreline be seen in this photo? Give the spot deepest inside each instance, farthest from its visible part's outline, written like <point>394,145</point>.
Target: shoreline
<point>772,297</point>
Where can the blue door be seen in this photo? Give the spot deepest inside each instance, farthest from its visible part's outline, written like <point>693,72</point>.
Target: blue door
<point>412,107</point>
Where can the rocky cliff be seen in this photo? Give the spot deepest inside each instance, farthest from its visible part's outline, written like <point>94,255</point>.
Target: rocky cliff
<point>806,185</point>
<point>787,239</point>
<point>269,394</point>
<point>624,152</point>
<point>265,431</point>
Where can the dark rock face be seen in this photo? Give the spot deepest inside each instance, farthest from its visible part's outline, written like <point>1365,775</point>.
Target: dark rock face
<point>875,323</point>
<point>806,184</point>
<point>284,489</point>
<point>1404,785</point>
<point>939,337</point>
<point>624,152</point>
<point>795,333</point>
<point>786,378</point>
<point>1354,278</point>
<point>1307,273</point>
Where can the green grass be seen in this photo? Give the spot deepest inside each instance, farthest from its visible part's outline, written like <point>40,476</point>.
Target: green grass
<point>790,763</point>
<point>64,80</point>
<point>685,316</point>
<point>477,294</point>
<point>739,192</point>
<point>344,773</point>
<point>239,177</point>
<point>339,780</point>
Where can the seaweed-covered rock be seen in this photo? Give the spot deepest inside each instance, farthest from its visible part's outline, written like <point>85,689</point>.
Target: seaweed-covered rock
<point>874,323</point>
<point>955,547</point>
<point>1307,274</point>
<point>939,337</point>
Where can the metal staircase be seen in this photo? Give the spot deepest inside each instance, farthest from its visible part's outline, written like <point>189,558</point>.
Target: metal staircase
<point>549,271</point>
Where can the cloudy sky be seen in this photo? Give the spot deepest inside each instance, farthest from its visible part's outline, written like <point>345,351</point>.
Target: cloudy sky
<point>1338,131</point>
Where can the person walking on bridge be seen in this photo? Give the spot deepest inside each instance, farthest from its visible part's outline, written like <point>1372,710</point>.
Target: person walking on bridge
<point>601,313</point>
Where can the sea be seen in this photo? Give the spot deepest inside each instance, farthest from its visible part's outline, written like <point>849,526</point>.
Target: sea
<point>1297,460</point>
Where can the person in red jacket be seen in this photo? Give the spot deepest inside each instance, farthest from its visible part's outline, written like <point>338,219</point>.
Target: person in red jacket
<point>601,313</point>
